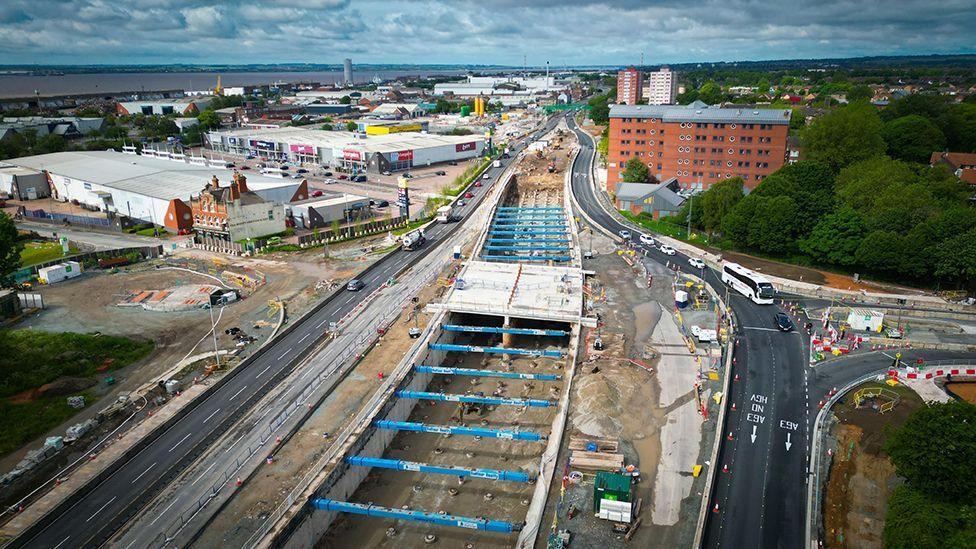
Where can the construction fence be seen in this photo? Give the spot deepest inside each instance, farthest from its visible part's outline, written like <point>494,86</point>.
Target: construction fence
<point>352,231</point>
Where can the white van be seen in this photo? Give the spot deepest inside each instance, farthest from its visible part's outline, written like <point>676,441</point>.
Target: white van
<point>696,263</point>
<point>646,240</point>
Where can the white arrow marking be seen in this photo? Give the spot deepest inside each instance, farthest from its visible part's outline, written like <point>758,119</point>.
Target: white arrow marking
<point>788,443</point>
<point>753,434</point>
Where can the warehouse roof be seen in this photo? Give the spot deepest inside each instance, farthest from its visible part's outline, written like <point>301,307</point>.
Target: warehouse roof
<point>700,112</point>
<point>155,177</point>
<point>347,140</point>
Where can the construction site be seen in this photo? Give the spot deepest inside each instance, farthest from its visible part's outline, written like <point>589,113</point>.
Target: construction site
<point>460,447</point>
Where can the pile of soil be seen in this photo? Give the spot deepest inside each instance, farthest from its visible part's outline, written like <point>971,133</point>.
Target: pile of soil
<point>65,386</point>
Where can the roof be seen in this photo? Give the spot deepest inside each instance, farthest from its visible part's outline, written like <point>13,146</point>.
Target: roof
<point>325,201</point>
<point>385,143</point>
<point>955,159</point>
<point>639,191</point>
<point>154,177</point>
<point>10,169</point>
<point>393,107</point>
<point>700,112</point>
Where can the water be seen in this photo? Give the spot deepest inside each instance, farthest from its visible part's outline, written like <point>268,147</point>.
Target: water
<point>25,86</point>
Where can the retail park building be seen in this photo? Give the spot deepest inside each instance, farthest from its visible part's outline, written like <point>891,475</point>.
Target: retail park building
<point>698,144</point>
<point>355,152</point>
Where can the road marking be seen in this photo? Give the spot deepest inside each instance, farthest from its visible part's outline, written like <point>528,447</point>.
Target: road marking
<point>231,447</point>
<point>304,337</point>
<point>180,442</point>
<point>143,473</point>
<point>62,542</point>
<point>203,474</point>
<point>753,436</point>
<point>285,353</point>
<point>100,509</point>
<point>788,443</point>
<point>164,511</point>
<point>760,329</point>
<point>211,415</point>
<point>261,373</point>
<point>238,392</point>
<point>319,325</point>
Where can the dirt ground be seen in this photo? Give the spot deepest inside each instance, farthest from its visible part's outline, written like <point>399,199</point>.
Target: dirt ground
<point>965,390</point>
<point>861,475</point>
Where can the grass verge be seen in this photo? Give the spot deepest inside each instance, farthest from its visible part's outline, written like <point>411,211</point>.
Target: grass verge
<point>35,252</point>
<point>22,422</point>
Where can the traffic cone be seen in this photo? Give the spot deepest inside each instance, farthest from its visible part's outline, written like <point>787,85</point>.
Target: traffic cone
<point>733,407</point>
<point>725,468</point>
<point>736,378</point>
<point>278,440</point>
<point>730,435</point>
<point>715,509</point>
<point>239,483</point>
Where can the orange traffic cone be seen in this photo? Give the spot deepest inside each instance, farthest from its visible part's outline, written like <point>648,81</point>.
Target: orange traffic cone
<point>736,378</point>
<point>239,482</point>
<point>715,509</point>
<point>730,435</point>
<point>733,407</point>
<point>725,468</point>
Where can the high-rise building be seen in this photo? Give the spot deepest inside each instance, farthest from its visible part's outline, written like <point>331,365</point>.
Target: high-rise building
<point>629,85</point>
<point>697,143</point>
<point>347,71</point>
<point>660,87</point>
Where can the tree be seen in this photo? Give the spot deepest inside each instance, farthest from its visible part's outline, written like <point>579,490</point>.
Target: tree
<point>835,238</point>
<point>690,96</point>
<point>880,252</point>
<point>711,93</point>
<point>860,92</point>
<point>345,100</point>
<point>50,143</point>
<point>326,127</point>
<point>635,171</point>
<point>715,203</point>
<point>955,259</point>
<point>10,248</point>
<point>859,185</point>
<point>351,126</point>
<point>844,136</point>
<point>797,120</point>
<point>208,119</point>
<point>912,138</point>
<point>928,105</point>
<point>959,126</point>
<point>771,228</point>
<point>934,449</point>
<point>914,521</point>
<point>735,225</point>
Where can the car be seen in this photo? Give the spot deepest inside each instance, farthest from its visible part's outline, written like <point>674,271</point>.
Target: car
<point>383,204</point>
<point>696,263</point>
<point>624,234</point>
<point>646,240</point>
<point>261,165</point>
<point>440,172</point>
<point>452,163</point>
<point>354,285</point>
<point>343,176</point>
<point>297,176</point>
<point>229,165</point>
<point>894,333</point>
<point>301,170</point>
<point>486,176</point>
<point>783,322</point>
<point>477,183</point>
<point>462,203</point>
<point>408,175</point>
<point>327,174</point>
<point>316,193</point>
<point>469,194</point>
<point>359,179</point>
<point>667,250</point>
<point>245,167</point>
<point>328,181</point>
<point>284,167</point>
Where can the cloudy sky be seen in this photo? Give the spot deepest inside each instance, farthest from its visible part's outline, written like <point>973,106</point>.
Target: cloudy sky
<point>463,31</point>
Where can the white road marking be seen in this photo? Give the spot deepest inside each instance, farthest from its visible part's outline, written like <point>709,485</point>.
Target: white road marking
<point>203,474</point>
<point>211,415</point>
<point>62,542</point>
<point>100,509</point>
<point>261,373</point>
<point>231,447</point>
<point>760,329</point>
<point>238,392</point>
<point>180,442</point>
<point>319,325</point>
<point>143,473</point>
<point>164,511</point>
<point>285,353</point>
<point>304,337</point>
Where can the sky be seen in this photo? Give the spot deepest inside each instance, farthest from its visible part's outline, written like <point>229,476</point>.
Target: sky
<point>498,32</point>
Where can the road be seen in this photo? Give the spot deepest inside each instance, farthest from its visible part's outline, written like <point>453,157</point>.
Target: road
<point>103,510</point>
<point>97,240</point>
<point>761,502</point>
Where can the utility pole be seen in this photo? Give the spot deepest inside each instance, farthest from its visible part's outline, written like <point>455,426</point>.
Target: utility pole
<point>691,205</point>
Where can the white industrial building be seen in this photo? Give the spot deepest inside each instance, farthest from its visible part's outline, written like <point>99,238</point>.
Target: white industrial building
<point>183,106</point>
<point>490,86</point>
<point>150,189</point>
<point>22,183</point>
<point>316,213</point>
<point>346,150</point>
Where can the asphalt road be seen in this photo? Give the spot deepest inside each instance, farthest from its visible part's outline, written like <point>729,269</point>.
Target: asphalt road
<point>761,501</point>
<point>103,510</point>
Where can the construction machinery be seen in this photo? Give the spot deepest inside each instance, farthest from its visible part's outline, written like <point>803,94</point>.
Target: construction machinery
<point>413,240</point>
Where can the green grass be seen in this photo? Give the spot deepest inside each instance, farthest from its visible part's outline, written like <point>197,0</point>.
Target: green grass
<point>22,423</point>
<point>460,182</point>
<point>39,252</point>
<point>31,358</point>
<point>150,231</point>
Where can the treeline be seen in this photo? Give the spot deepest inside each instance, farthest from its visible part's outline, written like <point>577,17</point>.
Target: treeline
<point>853,207</point>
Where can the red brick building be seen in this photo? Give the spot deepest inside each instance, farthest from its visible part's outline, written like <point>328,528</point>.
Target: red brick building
<point>697,142</point>
<point>630,86</point>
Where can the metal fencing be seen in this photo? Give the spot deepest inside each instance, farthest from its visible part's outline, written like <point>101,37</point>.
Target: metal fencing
<point>70,218</point>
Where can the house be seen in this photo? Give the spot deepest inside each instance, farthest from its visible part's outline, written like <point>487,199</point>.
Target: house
<point>399,111</point>
<point>962,164</point>
<point>235,213</point>
<point>656,199</point>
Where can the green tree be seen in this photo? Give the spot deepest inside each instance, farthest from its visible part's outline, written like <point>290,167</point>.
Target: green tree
<point>859,185</point>
<point>351,126</point>
<point>326,127</point>
<point>599,109</point>
<point>208,119</point>
<point>955,259</point>
<point>735,225</point>
<point>603,146</point>
<point>959,126</point>
<point>913,138</point>
<point>690,96</point>
<point>50,143</point>
<point>797,120</point>
<point>914,521</point>
<point>711,93</point>
<point>928,105</point>
<point>844,136</point>
<point>715,203</point>
<point>635,171</point>
<point>860,92</point>
<point>934,449</point>
<point>345,100</point>
<point>771,229</point>
<point>10,247</point>
<point>835,238</point>
<point>881,252</point>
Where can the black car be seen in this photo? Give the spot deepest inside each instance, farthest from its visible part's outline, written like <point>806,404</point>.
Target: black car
<point>301,170</point>
<point>440,172</point>
<point>783,322</point>
<point>327,174</point>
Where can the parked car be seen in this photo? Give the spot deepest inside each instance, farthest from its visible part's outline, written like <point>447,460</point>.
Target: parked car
<point>477,183</point>
<point>354,285</point>
<point>360,178</point>
<point>667,250</point>
<point>646,240</point>
<point>696,263</point>
<point>462,203</point>
<point>440,172</point>
<point>783,322</point>
<point>408,175</point>
<point>624,234</point>
<point>284,167</point>
<point>301,170</point>
<point>297,176</point>
<point>230,165</point>
<point>387,172</point>
<point>317,193</point>
<point>245,167</point>
<point>327,174</point>
<point>343,176</point>
<point>469,194</point>
<point>452,163</point>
